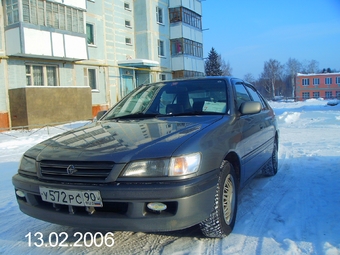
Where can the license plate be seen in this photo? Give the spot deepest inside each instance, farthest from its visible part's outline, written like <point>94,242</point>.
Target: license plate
<point>71,197</point>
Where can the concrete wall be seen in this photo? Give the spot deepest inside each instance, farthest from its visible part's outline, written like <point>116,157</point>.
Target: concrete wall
<point>37,106</point>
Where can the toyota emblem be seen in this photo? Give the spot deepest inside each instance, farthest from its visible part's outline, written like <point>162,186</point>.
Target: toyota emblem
<point>71,169</point>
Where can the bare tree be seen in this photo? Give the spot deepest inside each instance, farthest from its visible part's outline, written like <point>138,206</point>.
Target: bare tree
<point>272,75</point>
<point>310,66</point>
<point>249,78</point>
<point>293,66</point>
<point>225,67</point>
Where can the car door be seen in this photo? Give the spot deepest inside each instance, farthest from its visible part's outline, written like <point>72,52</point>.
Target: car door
<point>252,133</point>
<point>267,118</point>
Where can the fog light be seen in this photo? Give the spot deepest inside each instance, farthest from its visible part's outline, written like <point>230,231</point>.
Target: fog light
<point>158,207</point>
<point>20,193</point>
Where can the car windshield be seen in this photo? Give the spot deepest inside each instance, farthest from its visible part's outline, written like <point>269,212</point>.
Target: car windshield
<point>191,97</point>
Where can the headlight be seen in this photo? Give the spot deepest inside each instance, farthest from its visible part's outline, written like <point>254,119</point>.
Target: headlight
<point>184,165</point>
<point>176,166</point>
<point>27,165</point>
<point>147,168</point>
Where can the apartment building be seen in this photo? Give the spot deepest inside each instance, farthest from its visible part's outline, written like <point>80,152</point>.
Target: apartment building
<point>65,60</point>
<point>321,85</point>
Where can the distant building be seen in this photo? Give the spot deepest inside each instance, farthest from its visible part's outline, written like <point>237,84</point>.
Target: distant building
<point>65,60</point>
<point>321,85</point>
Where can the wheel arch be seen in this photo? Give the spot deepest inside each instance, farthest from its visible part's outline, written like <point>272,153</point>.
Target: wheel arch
<point>234,160</point>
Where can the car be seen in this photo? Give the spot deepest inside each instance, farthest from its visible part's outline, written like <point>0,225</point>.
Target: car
<point>168,156</point>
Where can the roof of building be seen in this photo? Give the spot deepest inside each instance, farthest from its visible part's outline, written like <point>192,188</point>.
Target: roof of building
<point>314,74</point>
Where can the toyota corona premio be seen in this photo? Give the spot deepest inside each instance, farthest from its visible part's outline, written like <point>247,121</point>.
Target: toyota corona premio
<point>168,156</point>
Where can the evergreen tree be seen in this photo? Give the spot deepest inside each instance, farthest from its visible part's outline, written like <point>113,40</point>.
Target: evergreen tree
<point>213,64</point>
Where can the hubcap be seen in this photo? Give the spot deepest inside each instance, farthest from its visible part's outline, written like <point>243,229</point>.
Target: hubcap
<point>228,199</point>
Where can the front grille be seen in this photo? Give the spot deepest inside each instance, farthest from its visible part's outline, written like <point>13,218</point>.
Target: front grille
<point>75,171</point>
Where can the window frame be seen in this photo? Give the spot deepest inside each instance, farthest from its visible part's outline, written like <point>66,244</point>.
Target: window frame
<point>328,80</point>
<point>53,14</point>
<point>161,48</point>
<point>316,81</point>
<point>128,23</point>
<point>44,76</point>
<point>316,94</point>
<point>337,79</point>
<point>89,82</point>
<point>305,81</point>
<point>159,15</point>
<point>92,33</point>
<point>305,95</point>
<point>162,77</point>
<point>337,94</point>
<point>127,6</point>
<point>328,94</point>
<point>128,41</point>
<point>12,10</point>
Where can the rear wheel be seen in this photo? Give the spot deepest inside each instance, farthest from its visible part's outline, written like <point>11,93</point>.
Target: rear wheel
<point>270,169</point>
<point>221,221</point>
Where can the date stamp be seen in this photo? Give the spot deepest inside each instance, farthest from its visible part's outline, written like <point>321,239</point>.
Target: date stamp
<point>62,239</point>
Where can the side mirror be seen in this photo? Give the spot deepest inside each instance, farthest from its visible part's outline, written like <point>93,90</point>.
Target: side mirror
<point>250,107</point>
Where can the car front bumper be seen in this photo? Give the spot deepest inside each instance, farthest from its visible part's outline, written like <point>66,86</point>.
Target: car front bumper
<point>125,204</point>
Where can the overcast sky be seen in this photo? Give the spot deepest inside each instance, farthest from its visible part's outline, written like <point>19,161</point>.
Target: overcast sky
<point>249,32</point>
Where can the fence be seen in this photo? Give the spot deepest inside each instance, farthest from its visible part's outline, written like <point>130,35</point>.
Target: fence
<point>17,132</point>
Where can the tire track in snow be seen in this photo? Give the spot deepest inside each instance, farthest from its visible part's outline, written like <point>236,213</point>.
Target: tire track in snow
<point>257,202</point>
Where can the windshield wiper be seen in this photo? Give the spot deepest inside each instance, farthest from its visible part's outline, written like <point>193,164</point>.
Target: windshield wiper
<point>136,115</point>
<point>194,113</point>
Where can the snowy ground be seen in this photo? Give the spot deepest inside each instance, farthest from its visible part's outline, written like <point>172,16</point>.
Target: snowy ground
<point>295,212</point>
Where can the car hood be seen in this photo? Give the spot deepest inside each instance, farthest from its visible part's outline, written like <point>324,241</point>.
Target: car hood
<point>122,141</point>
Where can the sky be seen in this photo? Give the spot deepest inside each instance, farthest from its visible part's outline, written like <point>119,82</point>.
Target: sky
<point>247,33</point>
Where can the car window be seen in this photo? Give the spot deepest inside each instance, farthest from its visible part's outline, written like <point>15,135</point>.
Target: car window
<point>255,96</point>
<point>202,96</point>
<point>242,94</point>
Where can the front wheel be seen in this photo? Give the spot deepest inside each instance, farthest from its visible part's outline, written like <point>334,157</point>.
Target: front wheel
<point>221,221</point>
<point>270,169</point>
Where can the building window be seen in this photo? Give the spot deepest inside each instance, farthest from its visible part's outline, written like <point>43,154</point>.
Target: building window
<point>160,48</point>
<point>186,46</point>
<point>181,14</point>
<point>128,23</point>
<point>305,82</point>
<point>328,94</point>
<point>12,11</point>
<point>41,75</point>
<point>337,80</point>
<point>128,41</point>
<point>316,94</point>
<point>162,77</point>
<point>316,81</point>
<point>328,81</point>
<point>127,6</point>
<point>337,93</point>
<point>51,14</point>
<point>90,34</point>
<point>186,73</point>
<point>159,15</point>
<point>305,95</point>
<point>92,78</point>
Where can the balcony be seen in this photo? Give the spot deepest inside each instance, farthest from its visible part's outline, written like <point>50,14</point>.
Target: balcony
<point>55,30</point>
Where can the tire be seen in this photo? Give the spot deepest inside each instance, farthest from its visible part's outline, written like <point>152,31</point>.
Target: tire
<point>221,220</point>
<point>270,169</point>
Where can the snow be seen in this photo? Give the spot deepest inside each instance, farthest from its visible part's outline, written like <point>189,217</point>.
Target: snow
<point>294,212</point>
